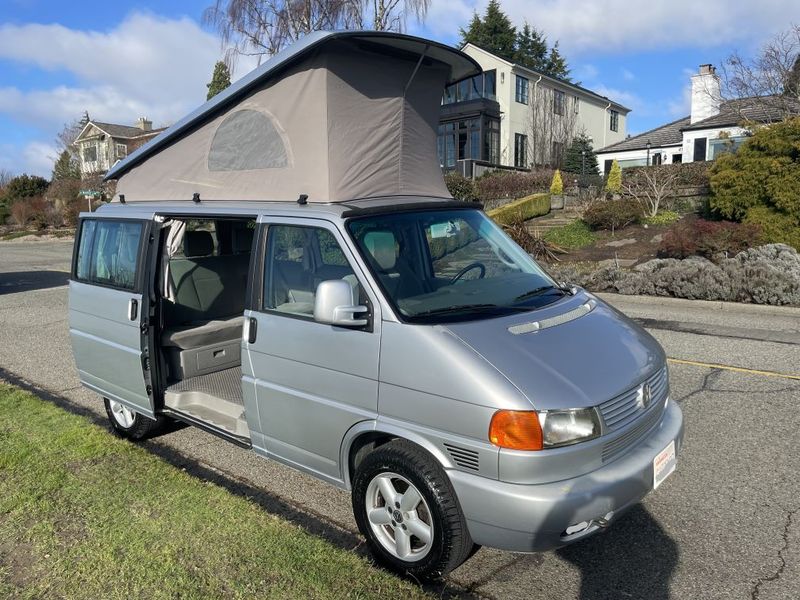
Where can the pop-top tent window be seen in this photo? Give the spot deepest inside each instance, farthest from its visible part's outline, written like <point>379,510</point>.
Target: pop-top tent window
<point>246,139</point>
<point>338,116</point>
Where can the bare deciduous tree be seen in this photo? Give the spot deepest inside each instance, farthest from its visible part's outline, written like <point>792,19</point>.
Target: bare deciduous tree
<point>264,27</point>
<point>651,187</point>
<point>764,88</point>
<point>549,133</point>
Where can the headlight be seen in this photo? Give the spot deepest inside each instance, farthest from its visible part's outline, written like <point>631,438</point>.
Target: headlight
<point>564,427</point>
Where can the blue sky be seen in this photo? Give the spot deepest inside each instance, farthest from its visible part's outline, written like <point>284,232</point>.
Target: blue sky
<point>122,59</point>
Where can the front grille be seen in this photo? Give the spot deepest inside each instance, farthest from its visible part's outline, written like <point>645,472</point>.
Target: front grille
<point>467,459</point>
<point>624,409</point>
<point>634,434</point>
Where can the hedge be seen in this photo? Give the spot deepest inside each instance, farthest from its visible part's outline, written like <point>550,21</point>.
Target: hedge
<point>523,209</point>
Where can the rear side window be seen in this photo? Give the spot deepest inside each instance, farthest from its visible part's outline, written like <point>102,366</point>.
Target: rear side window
<point>108,253</point>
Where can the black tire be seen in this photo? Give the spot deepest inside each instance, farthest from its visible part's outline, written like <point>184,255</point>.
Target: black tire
<point>451,543</point>
<point>141,428</point>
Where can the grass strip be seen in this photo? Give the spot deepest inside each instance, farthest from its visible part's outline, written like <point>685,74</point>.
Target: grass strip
<point>84,514</point>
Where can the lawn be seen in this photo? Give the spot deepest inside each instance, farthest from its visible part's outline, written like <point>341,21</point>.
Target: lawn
<point>84,514</point>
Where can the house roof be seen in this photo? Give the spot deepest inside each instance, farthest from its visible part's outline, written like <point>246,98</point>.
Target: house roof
<point>557,80</point>
<point>762,109</point>
<point>460,66</point>
<point>670,134</point>
<point>758,109</point>
<point>119,131</point>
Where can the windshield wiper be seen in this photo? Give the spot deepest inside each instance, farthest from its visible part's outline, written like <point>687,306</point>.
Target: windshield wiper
<point>537,292</point>
<point>450,309</point>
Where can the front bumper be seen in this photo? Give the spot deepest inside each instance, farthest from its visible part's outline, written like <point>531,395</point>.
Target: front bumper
<point>534,518</point>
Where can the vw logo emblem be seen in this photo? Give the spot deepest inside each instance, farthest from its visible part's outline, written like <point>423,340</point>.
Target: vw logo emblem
<point>645,396</point>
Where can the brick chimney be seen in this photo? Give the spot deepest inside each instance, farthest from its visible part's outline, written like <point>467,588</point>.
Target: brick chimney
<point>144,124</point>
<point>706,94</point>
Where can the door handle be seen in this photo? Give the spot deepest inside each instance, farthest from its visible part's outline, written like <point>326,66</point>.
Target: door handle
<point>133,309</point>
<point>252,330</point>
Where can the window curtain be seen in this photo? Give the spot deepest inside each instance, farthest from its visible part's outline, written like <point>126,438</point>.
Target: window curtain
<point>174,243</point>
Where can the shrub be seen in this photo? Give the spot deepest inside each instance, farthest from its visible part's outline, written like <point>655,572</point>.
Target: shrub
<point>664,217</point>
<point>460,187</point>
<point>694,174</point>
<point>776,227</point>
<point>612,214</point>
<point>760,183</point>
<point>39,208</point>
<point>708,238</point>
<point>765,275</point>
<point>521,210</point>
<point>557,185</point>
<point>614,181</point>
<point>512,184</point>
<point>572,236</point>
<point>53,216</point>
<point>21,212</point>
<point>533,243</point>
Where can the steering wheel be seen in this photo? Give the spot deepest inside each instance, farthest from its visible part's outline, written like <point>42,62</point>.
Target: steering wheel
<point>467,269</point>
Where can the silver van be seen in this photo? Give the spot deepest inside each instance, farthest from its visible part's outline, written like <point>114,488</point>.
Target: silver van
<point>399,346</point>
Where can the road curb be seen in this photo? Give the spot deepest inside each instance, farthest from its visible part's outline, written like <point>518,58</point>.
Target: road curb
<point>756,309</point>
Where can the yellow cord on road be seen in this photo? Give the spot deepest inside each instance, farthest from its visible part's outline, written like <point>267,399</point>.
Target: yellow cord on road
<point>736,369</point>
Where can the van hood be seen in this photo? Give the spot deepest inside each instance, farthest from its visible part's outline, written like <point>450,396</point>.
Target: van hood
<point>579,363</point>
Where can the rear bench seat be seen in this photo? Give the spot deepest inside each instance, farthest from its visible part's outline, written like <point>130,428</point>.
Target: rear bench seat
<point>203,328</point>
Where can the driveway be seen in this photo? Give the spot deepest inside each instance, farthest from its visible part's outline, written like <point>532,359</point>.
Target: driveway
<point>725,525</point>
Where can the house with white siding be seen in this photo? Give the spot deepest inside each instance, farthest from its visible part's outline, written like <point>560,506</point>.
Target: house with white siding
<point>512,116</point>
<point>714,126</point>
<point>100,145</point>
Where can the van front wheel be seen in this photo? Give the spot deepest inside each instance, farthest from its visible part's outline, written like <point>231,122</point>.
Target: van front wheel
<point>407,510</point>
<point>129,423</point>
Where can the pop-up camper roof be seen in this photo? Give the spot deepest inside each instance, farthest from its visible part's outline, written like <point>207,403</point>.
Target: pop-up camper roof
<point>337,116</point>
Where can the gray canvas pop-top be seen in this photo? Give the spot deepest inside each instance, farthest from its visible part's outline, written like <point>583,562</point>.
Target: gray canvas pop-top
<point>338,116</point>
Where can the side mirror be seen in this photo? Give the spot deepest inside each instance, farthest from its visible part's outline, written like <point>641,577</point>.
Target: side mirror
<point>334,304</point>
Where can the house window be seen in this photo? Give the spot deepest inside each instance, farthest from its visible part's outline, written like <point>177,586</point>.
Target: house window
<point>559,100</point>
<point>479,86</point>
<point>699,149</point>
<point>522,90</point>
<point>491,140</point>
<point>520,151</point>
<point>468,139</point>
<point>558,154</point>
<point>614,120</point>
<point>490,84</point>
<point>607,166</point>
<point>576,104</point>
<point>122,150</point>
<point>656,160</point>
<point>677,159</point>
<point>90,153</point>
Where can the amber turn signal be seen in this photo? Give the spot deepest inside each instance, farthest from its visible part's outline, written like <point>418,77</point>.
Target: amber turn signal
<point>516,430</point>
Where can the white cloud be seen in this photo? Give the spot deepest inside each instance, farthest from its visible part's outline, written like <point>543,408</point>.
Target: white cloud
<point>627,75</point>
<point>585,73</point>
<point>624,97</point>
<point>34,158</point>
<point>146,66</point>
<point>614,26</point>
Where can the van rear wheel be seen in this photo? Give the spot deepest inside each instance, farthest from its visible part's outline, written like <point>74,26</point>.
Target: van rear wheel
<point>407,510</point>
<point>129,423</point>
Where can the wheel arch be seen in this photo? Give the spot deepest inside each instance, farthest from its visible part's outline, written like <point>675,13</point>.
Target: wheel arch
<point>367,435</point>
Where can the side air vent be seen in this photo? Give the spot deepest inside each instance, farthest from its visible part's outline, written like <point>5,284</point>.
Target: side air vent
<point>464,458</point>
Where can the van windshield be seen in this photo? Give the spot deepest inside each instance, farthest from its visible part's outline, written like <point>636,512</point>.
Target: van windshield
<point>450,265</point>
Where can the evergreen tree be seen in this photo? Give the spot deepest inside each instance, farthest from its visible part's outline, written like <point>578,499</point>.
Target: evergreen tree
<point>25,186</point>
<point>556,65</point>
<point>557,185</point>
<point>614,181</point>
<point>580,157</point>
<point>531,49</point>
<point>494,33</point>
<point>66,167</point>
<point>220,80</point>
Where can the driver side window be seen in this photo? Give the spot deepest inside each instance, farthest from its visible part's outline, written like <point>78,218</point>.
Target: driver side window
<point>298,259</point>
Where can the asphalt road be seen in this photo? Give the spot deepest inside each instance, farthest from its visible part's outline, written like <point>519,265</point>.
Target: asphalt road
<point>725,525</point>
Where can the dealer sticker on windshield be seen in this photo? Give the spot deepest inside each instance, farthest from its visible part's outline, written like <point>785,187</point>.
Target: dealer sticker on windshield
<point>664,464</point>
